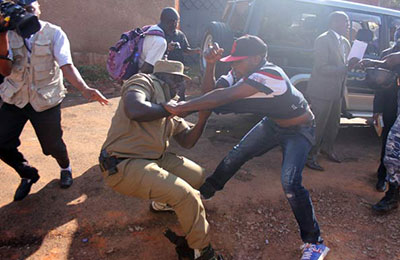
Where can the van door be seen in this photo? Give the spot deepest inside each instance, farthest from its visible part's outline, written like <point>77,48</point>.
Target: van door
<point>367,28</point>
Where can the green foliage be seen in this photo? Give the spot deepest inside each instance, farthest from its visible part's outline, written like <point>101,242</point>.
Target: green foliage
<point>93,72</point>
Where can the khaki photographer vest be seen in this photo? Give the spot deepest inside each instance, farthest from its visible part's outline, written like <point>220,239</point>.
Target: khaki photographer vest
<point>37,80</point>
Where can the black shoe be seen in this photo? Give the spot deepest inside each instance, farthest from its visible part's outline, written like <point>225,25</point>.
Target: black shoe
<point>389,202</point>
<point>207,191</point>
<point>332,156</point>
<point>381,185</point>
<point>24,188</point>
<point>313,164</point>
<point>66,179</point>
<point>208,253</point>
<point>185,252</point>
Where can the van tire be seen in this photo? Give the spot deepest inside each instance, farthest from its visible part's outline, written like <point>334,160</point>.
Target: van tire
<point>223,35</point>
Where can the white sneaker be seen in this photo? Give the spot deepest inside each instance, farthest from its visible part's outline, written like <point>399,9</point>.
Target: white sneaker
<point>160,207</point>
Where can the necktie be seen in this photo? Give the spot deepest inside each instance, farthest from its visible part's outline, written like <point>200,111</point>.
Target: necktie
<point>342,47</point>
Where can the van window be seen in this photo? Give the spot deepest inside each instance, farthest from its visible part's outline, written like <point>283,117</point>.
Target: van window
<point>394,25</point>
<point>366,28</point>
<point>292,26</point>
<point>239,16</point>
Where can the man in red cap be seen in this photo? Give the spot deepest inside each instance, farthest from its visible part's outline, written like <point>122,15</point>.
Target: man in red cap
<point>257,86</point>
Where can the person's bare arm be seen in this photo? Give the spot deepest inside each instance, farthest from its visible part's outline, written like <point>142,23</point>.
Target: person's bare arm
<point>187,139</point>
<point>75,78</point>
<point>190,51</point>
<point>391,60</point>
<point>137,108</point>
<point>387,62</point>
<point>213,99</point>
<point>212,55</point>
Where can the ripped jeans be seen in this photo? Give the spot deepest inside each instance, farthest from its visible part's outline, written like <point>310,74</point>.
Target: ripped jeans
<point>295,142</point>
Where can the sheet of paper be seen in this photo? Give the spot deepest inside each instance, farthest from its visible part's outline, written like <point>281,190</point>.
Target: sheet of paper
<point>357,50</point>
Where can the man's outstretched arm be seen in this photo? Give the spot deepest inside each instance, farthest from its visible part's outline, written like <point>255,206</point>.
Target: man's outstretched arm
<point>75,78</point>
<point>187,139</point>
<point>213,99</point>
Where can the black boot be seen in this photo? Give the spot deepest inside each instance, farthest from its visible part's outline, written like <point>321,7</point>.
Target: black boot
<point>207,191</point>
<point>208,253</point>
<point>186,253</point>
<point>390,201</point>
<point>381,185</point>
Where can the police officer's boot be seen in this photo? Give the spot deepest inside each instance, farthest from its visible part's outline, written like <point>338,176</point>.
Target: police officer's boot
<point>390,201</point>
<point>186,253</point>
<point>208,253</point>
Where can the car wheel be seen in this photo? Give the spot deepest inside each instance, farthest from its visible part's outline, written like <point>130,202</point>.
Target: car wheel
<point>222,34</point>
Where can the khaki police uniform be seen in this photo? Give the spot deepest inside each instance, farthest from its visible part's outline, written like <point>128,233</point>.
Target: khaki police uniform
<point>146,170</point>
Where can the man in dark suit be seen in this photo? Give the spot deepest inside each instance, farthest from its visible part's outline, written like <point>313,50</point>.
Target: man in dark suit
<point>327,86</point>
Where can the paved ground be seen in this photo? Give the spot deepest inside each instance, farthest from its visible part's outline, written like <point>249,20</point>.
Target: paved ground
<point>250,219</point>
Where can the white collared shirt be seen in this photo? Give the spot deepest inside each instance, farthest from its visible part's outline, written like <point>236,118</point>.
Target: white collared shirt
<point>338,36</point>
<point>341,45</point>
<point>61,47</point>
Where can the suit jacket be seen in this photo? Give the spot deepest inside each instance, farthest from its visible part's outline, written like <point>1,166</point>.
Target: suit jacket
<point>328,75</point>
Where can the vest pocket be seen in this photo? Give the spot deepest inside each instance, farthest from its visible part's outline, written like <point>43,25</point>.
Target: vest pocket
<point>8,89</point>
<point>42,48</point>
<point>50,94</point>
<point>43,71</point>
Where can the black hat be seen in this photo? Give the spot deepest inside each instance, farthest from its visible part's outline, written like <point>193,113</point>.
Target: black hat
<point>25,2</point>
<point>246,46</point>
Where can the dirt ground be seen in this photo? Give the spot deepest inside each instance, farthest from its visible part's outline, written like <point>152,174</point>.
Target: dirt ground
<point>250,218</point>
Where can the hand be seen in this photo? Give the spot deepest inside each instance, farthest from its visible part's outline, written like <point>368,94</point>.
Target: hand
<point>376,118</point>
<point>213,53</point>
<point>353,62</point>
<point>172,107</point>
<point>94,95</point>
<point>173,45</point>
<point>364,63</point>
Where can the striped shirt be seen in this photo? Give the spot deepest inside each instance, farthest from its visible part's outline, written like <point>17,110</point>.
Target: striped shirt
<point>277,97</point>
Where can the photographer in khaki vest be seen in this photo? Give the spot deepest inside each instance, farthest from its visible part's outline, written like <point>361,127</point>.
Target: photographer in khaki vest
<point>135,161</point>
<point>33,90</point>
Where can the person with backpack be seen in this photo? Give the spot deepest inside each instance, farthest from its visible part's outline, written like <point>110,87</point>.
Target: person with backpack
<point>178,46</point>
<point>288,123</point>
<point>135,161</point>
<point>33,90</point>
<point>138,50</point>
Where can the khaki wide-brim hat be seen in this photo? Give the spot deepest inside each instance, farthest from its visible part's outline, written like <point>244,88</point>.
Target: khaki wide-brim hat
<point>170,67</point>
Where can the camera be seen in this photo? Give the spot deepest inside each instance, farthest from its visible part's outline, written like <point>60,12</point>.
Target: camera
<point>18,19</point>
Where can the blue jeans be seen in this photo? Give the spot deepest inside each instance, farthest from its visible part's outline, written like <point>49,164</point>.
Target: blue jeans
<point>296,142</point>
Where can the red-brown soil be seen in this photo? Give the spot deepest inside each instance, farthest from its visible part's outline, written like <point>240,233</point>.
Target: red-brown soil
<point>250,219</point>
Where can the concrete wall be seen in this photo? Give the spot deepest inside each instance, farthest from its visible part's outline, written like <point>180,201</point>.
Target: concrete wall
<point>93,26</point>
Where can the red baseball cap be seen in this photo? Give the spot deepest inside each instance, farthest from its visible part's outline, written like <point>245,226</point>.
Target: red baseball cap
<point>246,46</point>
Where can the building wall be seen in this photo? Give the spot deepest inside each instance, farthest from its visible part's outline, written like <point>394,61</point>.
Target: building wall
<point>93,26</point>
